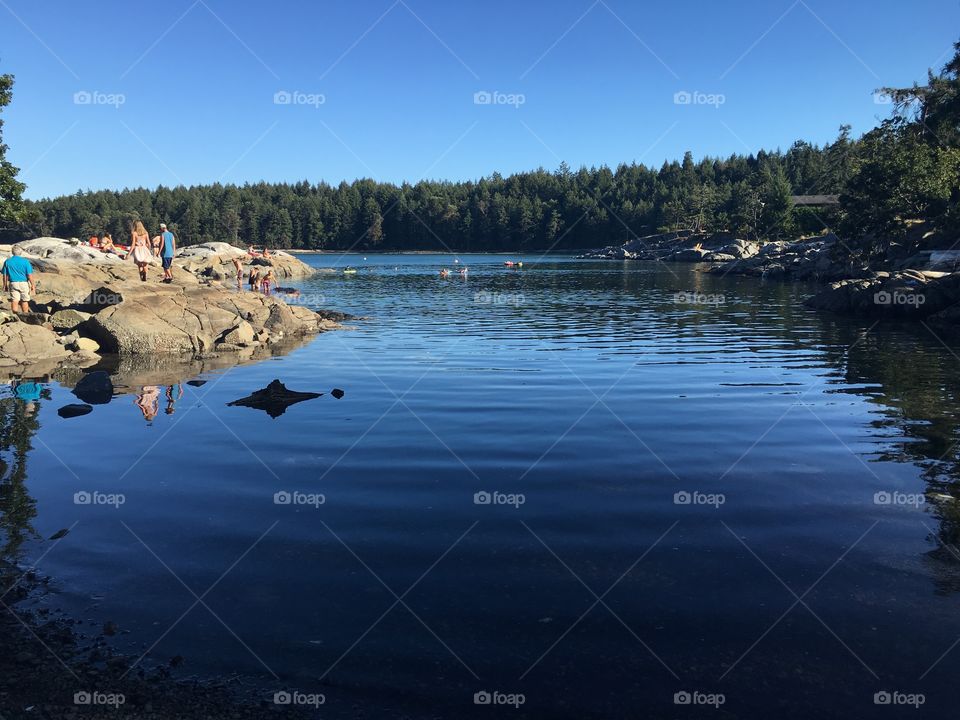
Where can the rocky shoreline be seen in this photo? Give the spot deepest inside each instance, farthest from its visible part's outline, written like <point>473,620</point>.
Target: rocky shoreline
<point>89,304</point>
<point>925,285</point>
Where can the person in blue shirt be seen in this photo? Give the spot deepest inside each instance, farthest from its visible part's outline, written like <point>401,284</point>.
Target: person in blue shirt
<point>18,281</point>
<point>168,248</point>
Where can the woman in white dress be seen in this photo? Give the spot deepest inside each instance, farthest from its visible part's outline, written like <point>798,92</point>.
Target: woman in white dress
<point>140,248</point>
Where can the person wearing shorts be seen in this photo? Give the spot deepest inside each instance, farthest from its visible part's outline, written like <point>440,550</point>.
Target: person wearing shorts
<point>18,281</point>
<point>168,248</point>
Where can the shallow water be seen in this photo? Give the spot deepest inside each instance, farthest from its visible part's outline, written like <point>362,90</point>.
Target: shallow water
<point>593,402</point>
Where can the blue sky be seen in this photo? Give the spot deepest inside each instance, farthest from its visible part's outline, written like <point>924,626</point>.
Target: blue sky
<point>119,94</point>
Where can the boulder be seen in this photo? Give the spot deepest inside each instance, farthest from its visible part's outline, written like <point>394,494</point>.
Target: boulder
<point>86,345</point>
<point>23,343</point>
<point>242,334</point>
<point>69,319</point>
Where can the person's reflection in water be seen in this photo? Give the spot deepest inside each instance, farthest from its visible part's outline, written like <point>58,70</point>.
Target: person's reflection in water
<point>148,400</point>
<point>171,400</point>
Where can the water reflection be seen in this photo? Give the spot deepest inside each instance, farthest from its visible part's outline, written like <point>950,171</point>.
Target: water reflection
<point>19,405</point>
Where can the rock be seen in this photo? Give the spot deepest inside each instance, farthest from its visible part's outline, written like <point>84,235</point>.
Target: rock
<point>95,388</point>
<point>68,319</point>
<point>86,345</point>
<point>718,257</point>
<point>101,298</point>
<point>337,393</point>
<point>242,334</point>
<point>74,410</point>
<point>274,399</point>
<point>23,343</point>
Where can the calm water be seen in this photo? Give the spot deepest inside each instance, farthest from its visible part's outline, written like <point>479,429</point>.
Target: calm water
<point>592,404</point>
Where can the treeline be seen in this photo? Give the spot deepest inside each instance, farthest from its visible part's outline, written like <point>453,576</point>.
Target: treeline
<point>565,209</point>
<point>903,173</point>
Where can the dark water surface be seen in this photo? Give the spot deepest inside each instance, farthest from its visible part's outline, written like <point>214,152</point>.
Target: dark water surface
<point>595,395</point>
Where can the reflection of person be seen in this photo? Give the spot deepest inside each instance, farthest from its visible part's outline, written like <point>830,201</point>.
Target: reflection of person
<point>171,400</point>
<point>148,400</point>
<point>18,280</point>
<point>27,390</point>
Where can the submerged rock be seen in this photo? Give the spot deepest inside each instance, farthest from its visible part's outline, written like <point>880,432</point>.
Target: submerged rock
<point>274,399</point>
<point>75,410</point>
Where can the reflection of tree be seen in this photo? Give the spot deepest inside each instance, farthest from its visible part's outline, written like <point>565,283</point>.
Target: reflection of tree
<point>18,423</point>
<point>915,384</point>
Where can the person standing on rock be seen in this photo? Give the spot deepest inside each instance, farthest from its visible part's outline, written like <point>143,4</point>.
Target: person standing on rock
<point>168,248</point>
<point>140,248</point>
<point>18,281</point>
<point>238,266</point>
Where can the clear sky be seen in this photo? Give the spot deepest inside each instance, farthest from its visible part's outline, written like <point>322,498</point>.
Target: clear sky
<point>122,93</point>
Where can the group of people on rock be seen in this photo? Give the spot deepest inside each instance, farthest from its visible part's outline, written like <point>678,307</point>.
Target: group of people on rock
<point>142,249</point>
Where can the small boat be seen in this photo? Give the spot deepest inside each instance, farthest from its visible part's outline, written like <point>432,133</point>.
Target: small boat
<point>349,271</point>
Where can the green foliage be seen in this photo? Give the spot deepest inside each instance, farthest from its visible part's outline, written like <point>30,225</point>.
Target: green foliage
<point>907,171</point>
<point>12,209</point>
<point>538,210</point>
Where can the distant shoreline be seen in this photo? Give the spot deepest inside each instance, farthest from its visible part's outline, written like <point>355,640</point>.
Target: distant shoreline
<point>431,252</point>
